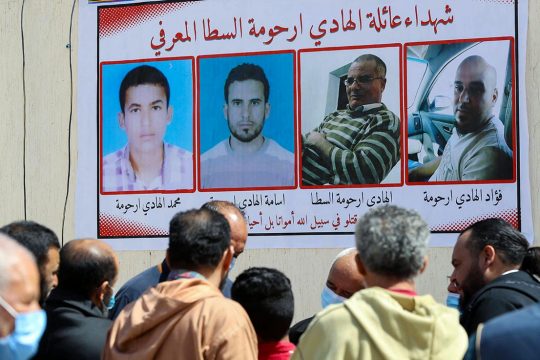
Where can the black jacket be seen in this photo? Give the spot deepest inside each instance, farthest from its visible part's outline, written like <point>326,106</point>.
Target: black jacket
<point>504,294</point>
<point>76,328</point>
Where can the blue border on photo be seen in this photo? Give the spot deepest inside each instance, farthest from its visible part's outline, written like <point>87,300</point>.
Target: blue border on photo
<point>212,75</point>
<point>180,77</point>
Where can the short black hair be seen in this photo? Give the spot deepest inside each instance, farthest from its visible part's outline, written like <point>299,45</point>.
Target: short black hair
<point>37,238</point>
<point>141,75</point>
<point>380,66</point>
<point>267,297</point>
<point>531,262</point>
<point>245,72</point>
<point>510,245</point>
<point>197,238</point>
<point>82,270</point>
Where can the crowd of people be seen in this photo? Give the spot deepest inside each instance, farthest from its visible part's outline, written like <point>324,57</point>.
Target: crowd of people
<point>61,302</point>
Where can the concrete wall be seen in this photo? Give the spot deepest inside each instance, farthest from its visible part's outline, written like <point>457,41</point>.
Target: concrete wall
<point>34,135</point>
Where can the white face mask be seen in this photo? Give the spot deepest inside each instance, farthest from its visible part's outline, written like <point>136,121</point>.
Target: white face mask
<point>328,297</point>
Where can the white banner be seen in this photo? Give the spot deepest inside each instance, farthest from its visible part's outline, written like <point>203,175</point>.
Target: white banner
<point>305,114</point>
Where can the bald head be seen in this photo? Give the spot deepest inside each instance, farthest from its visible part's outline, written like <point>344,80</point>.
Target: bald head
<point>236,221</point>
<point>19,282</point>
<point>15,263</point>
<point>85,265</point>
<point>344,279</point>
<point>475,94</point>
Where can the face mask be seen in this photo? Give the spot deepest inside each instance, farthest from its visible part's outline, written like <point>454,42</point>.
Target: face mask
<point>328,297</point>
<point>112,300</point>
<point>231,265</point>
<point>452,300</point>
<point>23,342</point>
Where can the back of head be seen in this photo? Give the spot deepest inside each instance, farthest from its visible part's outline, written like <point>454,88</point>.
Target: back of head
<point>197,239</point>
<point>267,297</point>
<point>85,265</point>
<point>531,262</point>
<point>33,236</point>
<point>12,256</point>
<point>510,245</point>
<point>392,241</point>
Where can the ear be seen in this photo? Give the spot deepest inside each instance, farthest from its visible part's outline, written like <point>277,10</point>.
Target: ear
<point>99,294</point>
<point>495,96</point>
<point>121,120</point>
<point>266,111</point>
<point>360,265</point>
<point>225,110</point>
<point>170,112</point>
<point>487,256</point>
<point>227,258</point>
<point>383,83</point>
<point>424,265</point>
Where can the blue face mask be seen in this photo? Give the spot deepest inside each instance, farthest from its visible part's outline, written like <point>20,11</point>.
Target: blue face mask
<point>328,297</point>
<point>452,300</point>
<point>112,300</point>
<point>23,342</point>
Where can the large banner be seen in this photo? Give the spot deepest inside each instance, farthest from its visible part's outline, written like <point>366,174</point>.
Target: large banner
<point>304,113</point>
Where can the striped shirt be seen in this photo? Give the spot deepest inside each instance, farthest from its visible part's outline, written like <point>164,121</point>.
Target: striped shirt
<point>176,172</point>
<point>365,147</point>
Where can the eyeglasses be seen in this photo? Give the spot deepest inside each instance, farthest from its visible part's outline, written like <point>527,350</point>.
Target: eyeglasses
<point>364,79</point>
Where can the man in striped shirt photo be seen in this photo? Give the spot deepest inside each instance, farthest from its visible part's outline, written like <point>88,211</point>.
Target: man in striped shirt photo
<point>357,145</point>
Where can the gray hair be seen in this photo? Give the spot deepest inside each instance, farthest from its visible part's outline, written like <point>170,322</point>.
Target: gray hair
<point>11,253</point>
<point>392,241</point>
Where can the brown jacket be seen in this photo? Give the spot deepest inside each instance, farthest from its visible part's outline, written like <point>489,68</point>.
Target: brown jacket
<point>182,319</point>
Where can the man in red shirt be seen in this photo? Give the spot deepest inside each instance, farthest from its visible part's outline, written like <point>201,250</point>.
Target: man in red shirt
<point>267,297</point>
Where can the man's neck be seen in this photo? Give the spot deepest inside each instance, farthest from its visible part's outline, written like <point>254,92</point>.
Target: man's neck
<point>147,165</point>
<point>390,283</point>
<point>246,147</point>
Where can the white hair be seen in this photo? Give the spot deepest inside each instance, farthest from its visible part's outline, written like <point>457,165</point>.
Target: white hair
<point>11,254</point>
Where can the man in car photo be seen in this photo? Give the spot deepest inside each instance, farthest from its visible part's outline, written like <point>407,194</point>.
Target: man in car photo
<point>477,149</point>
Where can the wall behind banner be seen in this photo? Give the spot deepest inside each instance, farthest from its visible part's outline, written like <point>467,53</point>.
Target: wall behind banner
<point>34,132</point>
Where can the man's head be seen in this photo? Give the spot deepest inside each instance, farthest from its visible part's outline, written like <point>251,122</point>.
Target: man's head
<point>236,220</point>
<point>392,244</point>
<point>267,297</point>
<point>246,101</point>
<point>19,283</point>
<point>344,279</point>
<point>483,252</point>
<point>199,240</point>
<point>89,268</point>
<point>366,80</point>
<point>475,93</point>
<point>43,244</point>
<point>145,111</point>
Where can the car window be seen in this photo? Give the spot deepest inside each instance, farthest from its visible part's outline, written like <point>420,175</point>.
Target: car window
<point>416,69</point>
<point>441,94</point>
